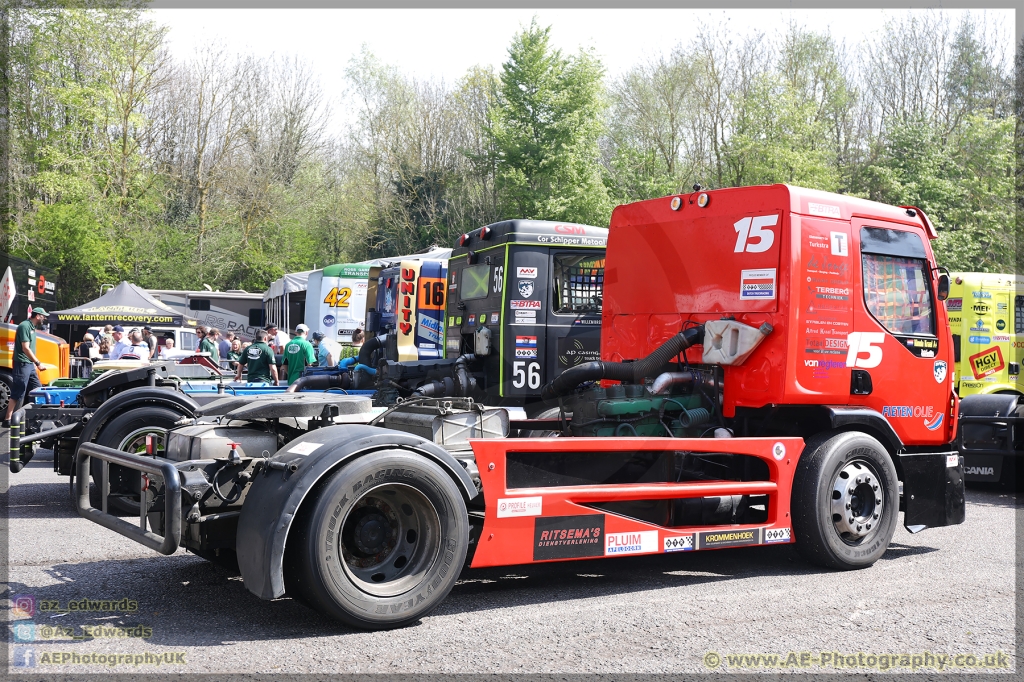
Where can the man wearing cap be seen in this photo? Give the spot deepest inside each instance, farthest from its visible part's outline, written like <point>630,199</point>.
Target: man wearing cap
<point>278,340</point>
<point>208,344</point>
<point>120,346</point>
<point>297,354</point>
<point>26,364</point>
<point>328,351</point>
<point>258,360</point>
<point>147,336</point>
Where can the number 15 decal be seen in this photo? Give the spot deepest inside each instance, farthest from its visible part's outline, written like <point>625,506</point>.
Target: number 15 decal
<point>861,343</point>
<point>750,229</point>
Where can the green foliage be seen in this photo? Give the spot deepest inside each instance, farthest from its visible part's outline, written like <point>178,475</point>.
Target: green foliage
<point>545,127</point>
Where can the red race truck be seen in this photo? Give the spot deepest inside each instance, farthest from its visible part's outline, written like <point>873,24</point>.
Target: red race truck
<point>774,368</point>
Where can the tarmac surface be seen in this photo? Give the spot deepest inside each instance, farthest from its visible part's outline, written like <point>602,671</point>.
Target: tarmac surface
<point>946,591</point>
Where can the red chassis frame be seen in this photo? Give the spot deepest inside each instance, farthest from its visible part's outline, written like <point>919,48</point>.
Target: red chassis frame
<point>511,540</point>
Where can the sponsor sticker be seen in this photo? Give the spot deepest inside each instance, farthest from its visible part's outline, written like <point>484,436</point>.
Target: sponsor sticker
<point>520,304</point>
<point>987,362</point>
<point>757,284</point>
<point>634,542</point>
<point>934,423</point>
<point>939,371</point>
<point>777,535</point>
<point>729,538</point>
<point>520,506</point>
<point>494,318</point>
<point>981,308</point>
<point>306,448</point>
<point>526,352</point>
<point>981,294</point>
<point>526,273</point>
<point>979,339</point>
<point>952,460</point>
<point>678,543</point>
<point>954,304</point>
<point>840,244</point>
<point>824,210</point>
<point>526,342</point>
<point>525,288</point>
<point>328,320</point>
<point>568,537</point>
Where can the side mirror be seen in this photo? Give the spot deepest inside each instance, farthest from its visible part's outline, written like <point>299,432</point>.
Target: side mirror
<point>943,286</point>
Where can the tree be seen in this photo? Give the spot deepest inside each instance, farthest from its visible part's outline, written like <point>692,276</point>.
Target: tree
<point>545,127</point>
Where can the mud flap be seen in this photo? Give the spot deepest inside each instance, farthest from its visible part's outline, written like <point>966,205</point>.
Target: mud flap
<point>933,490</point>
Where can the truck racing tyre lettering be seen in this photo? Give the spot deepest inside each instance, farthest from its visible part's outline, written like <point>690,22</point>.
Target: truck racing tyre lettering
<point>6,387</point>
<point>845,500</point>
<point>128,432</point>
<point>380,543</point>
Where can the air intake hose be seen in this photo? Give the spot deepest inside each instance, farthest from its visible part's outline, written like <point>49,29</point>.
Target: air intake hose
<point>320,382</point>
<point>634,372</point>
<point>367,349</point>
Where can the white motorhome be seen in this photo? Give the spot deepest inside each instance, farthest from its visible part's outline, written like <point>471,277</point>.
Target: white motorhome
<point>235,311</point>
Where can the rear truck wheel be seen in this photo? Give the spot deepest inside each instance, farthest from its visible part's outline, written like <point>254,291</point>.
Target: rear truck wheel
<point>128,432</point>
<point>6,388</point>
<point>845,500</point>
<point>380,543</point>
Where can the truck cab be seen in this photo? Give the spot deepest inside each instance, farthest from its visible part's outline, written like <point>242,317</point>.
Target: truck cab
<point>525,298</point>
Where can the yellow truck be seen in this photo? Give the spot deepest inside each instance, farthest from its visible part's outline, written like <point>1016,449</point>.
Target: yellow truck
<point>986,316</point>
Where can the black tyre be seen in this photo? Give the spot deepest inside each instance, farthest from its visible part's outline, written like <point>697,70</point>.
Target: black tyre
<point>6,388</point>
<point>845,500</point>
<point>128,432</point>
<point>380,543</point>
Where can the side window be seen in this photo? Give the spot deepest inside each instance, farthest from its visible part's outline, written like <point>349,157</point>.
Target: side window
<point>1018,315</point>
<point>189,341</point>
<point>199,304</point>
<point>255,317</point>
<point>578,283</point>
<point>897,293</point>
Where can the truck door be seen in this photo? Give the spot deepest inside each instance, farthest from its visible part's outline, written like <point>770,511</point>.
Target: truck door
<point>899,362</point>
<point>574,316</point>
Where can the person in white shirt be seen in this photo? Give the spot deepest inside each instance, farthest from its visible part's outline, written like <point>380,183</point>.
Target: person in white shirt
<point>168,348</point>
<point>120,345</point>
<point>278,339</point>
<point>138,350</point>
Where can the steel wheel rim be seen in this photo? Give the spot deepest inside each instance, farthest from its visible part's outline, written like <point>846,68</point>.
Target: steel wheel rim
<point>389,539</point>
<point>135,442</point>
<point>857,501</point>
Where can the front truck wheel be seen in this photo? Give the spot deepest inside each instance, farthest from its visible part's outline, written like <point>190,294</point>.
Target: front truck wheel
<point>845,500</point>
<point>380,543</point>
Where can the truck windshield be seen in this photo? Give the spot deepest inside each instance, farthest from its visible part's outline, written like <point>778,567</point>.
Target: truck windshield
<point>578,283</point>
<point>897,293</point>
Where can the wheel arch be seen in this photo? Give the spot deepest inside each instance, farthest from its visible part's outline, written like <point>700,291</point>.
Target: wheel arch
<point>132,398</point>
<point>279,496</point>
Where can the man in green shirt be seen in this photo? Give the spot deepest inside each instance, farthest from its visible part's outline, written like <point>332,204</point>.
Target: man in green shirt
<point>25,363</point>
<point>260,361</point>
<point>298,353</point>
<point>208,345</point>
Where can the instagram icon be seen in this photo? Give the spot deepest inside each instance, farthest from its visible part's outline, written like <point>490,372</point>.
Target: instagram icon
<point>23,606</point>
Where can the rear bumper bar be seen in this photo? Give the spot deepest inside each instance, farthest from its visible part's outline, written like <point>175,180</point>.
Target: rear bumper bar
<point>155,466</point>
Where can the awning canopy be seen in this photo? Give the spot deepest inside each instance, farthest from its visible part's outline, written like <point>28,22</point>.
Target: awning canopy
<point>294,281</point>
<point>124,304</point>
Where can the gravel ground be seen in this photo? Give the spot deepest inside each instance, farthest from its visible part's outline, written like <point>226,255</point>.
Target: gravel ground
<point>947,590</point>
